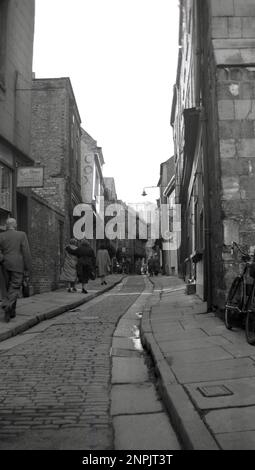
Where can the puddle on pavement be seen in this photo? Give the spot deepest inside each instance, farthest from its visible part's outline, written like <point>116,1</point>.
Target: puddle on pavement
<point>139,314</point>
<point>136,338</point>
<point>137,344</point>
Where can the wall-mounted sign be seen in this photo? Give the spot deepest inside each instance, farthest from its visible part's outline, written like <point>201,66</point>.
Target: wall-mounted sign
<point>29,177</point>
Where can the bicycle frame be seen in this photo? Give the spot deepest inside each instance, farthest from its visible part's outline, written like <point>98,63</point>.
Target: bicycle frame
<point>241,300</point>
<point>246,299</point>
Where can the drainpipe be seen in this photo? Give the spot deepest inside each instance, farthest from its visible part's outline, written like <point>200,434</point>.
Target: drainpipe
<point>15,162</point>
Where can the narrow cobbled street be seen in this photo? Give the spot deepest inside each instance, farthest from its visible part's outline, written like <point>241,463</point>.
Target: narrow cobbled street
<point>55,382</point>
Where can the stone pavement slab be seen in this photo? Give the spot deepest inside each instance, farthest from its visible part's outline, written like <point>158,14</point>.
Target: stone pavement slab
<point>190,344</point>
<point>137,432</point>
<point>214,370</point>
<point>213,330</point>
<point>244,440</point>
<point>241,393</point>
<point>167,326</point>
<point>231,420</point>
<point>133,399</point>
<point>240,349</point>
<point>196,355</point>
<point>163,335</point>
<point>128,370</point>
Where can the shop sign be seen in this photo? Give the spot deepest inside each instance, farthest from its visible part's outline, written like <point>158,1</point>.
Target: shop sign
<point>29,177</point>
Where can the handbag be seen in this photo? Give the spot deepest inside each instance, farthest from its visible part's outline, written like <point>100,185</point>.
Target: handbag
<point>92,275</point>
<point>25,287</point>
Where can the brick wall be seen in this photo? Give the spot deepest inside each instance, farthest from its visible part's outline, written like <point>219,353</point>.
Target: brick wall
<point>49,130</point>
<point>50,135</point>
<point>47,249</point>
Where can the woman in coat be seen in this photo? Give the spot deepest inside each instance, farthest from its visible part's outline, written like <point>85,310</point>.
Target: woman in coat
<point>103,263</point>
<point>69,272</point>
<point>85,263</point>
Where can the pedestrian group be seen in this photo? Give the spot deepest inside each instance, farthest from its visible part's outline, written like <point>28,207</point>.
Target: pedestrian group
<point>80,265</point>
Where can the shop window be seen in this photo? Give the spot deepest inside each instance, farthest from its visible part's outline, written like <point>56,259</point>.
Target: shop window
<point>5,188</point>
<point>201,230</point>
<point>3,217</point>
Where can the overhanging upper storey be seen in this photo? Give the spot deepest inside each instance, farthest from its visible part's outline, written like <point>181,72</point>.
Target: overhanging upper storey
<point>191,125</point>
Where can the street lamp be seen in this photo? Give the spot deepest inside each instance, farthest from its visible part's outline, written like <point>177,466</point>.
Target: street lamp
<point>159,187</point>
<point>144,192</point>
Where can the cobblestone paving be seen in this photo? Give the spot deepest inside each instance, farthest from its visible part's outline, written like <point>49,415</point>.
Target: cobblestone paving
<point>54,388</point>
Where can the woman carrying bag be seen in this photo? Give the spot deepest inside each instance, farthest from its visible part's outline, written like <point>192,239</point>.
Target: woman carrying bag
<point>69,272</point>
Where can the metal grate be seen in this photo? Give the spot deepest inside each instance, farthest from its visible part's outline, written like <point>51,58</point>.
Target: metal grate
<point>215,391</point>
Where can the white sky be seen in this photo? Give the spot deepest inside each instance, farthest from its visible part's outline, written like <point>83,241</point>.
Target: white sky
<point>121,57</point>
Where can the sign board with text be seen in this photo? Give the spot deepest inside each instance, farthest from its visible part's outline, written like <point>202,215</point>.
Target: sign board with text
<point>29,177</point>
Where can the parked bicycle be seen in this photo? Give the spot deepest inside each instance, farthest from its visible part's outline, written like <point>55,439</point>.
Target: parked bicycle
<point>240,304</point>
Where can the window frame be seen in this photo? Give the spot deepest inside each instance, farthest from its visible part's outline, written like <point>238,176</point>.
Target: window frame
<point>3,41</point>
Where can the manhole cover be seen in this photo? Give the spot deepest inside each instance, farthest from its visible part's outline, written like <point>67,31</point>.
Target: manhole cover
<point>214,391</point>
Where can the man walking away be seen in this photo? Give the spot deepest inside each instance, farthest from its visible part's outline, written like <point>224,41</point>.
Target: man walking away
<point>17,259</point>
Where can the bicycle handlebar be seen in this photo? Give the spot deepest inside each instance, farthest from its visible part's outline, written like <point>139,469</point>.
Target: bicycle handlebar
<point>243,253</point>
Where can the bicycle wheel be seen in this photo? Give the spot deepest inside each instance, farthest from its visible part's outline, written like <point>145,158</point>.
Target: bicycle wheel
<point>250,326</point>
<point>233,304</point>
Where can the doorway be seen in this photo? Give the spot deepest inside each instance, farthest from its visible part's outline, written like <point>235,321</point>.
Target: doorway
<point>22,212</point>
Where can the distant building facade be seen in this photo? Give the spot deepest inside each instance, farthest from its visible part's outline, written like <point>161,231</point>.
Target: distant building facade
<point>131,244</point>
<point>166,184</point>
<point>110,193</point>
<point>92,180</point>
<point>214,134</point>
<point>92,161</point>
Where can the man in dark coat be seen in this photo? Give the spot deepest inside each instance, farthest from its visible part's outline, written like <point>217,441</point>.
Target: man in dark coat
<point>16,260</point>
